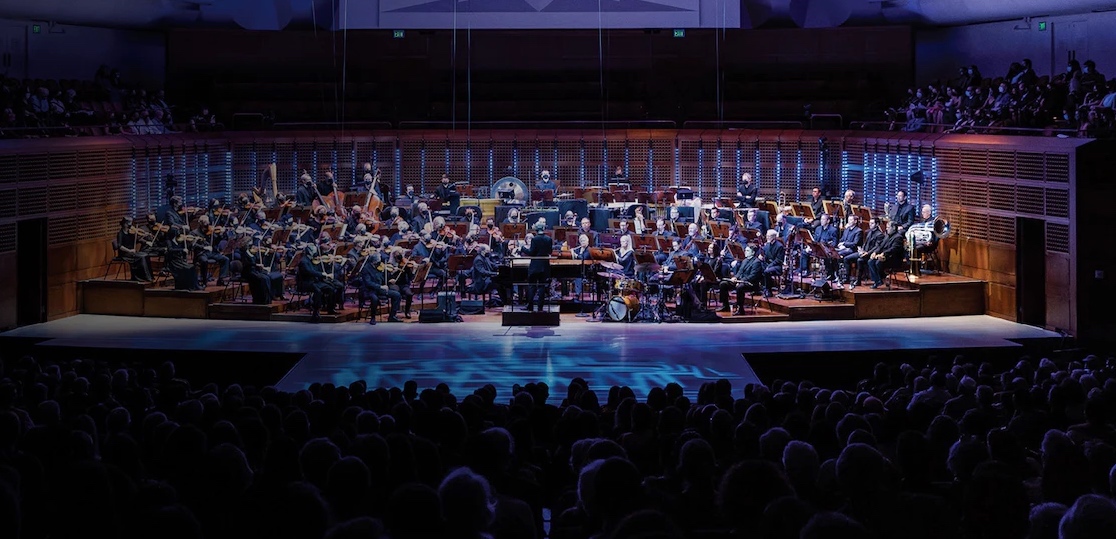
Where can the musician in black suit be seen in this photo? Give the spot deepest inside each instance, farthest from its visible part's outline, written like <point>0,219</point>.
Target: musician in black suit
<point>873,239</point>
<point>168,214</point>
<point>484,271</point>
<point>581,252</point>
<point>772,257</point>
<point>253,273</point>
<point>538,271</point>
<point>817,204</point>
<point>847,247</point>
<point>625,256</point>
<point>304,195</point>
<point>322,289</point>
<point>586,229</point>
<point>205,253</point>
<point>177,262</point>
<point>374,286</point>
<point>327,185</point>
<point>746,192</point>
<point>903,213</point>
<point>745,277</point>
<point>447,193</point>
<point>755,223</point>
<point>888,255</point>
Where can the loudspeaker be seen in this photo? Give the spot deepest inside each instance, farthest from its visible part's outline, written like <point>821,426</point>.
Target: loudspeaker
<point>447,302</point>
<point>432,316</point>
<point>470,306</point>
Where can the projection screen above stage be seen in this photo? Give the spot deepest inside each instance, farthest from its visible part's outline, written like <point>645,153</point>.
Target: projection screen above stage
<point>547,14</point>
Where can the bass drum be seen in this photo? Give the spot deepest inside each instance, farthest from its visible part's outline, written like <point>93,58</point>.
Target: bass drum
<point>620,308</point>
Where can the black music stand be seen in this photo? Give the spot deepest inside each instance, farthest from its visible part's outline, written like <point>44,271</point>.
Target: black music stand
<point>644,242</point>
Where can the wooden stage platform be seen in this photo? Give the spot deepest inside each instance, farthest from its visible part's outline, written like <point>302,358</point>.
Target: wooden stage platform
<point>930,295</point>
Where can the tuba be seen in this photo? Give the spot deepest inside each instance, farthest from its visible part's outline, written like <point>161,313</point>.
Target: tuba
<point>941,228</point>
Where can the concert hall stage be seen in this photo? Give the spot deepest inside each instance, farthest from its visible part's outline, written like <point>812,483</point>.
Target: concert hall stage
<point>471,354</point>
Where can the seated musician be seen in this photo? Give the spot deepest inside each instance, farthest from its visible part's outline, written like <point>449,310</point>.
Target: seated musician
<point>252,272</point>
<point>662,230</point>
<point>402,233</point>
<point>496,243</point>
<point>618,174</point>
<point>586,229</point>
<point>447,193</point>
<point>132,249</point>
<point>205,254</point>
<point>755,223</point>
<point>170,214</point>
<point>927,241</point>
<point>639,222</point>
<point>304,195</point>
<point>580,252</point>
<point>847,204</point>
<point>371,180</point>
<point>421,216</point>
<point>747,191</point>
<point>782,227</point>
<point>625,256</point>
<point>327,185</point>
<point>825,233</point>
<point>676,218</point>
<point>323,289</point>
<point>214,210</point>
<point>887,256</point>
<point>689,243</point>
<point>178,264</point>
<point>513,216</point>
<point>271,261</point>
<point>545,183</point>
<point>394,219</point>
<point>256,221</point>
<point>399,280</point>
<point>745,277</point>
<point>623,230</point>
<point>439,260</point>
<point>354,218</point>
<point>484,273</point>
<point>373,281</point>
<point>873,239</point>
<point>157,239</point>
<point>847,247</point>
<point>570,219</point>
<point>472,217</point>
<point>772,256</point>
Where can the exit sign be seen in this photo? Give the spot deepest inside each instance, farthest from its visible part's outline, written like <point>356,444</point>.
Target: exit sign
<point>36,29</point>
<point>679,32</point>
<point>397,34</point>
<point>1042,26</point>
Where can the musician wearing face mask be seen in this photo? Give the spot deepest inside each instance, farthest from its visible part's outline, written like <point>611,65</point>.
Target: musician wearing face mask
<point>131,247</point>
<point>311,279</point>
<point>157,235</point>
<point>401,272</point>
<point>570,219</point>
<point>538,270</point>
<point>513,216</point>
<point>178,264</point>
<point>639,222</point>
<point>253,272</point>
<point>373,286</point>
<point>170,214</point>
<point>545,183</point>
<point>421,217</point>
<point>826,234</point>
<point>483,273</point>
<point>447,193</point>
<point>688,245</point>
<point>745,277</point>
<point>205,254</point>
<point>371,180</point>
<point>747,191</point>
<point>304,195</point>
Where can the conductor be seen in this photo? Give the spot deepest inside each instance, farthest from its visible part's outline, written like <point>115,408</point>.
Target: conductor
<point>538,271</point>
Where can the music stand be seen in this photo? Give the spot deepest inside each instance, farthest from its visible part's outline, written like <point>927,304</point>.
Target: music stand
<point>719,230</point>
<point>682,229</point>
<point>513,231</point>
<point>280,237</point>
<point>737,250</point>
<point>644,242</point>
<point>335,230</point>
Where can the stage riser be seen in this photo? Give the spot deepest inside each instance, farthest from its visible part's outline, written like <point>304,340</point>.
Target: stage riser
<point>122,298</point>
<point>891,304</point>
<point>952,299</point>
<point>523,318</point>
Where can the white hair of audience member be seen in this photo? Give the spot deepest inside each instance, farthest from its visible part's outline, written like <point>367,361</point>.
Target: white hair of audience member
<point>467,502</point>
<point>1091,516</point>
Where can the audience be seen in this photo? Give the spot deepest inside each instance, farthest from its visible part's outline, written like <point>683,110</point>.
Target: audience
<point>103,106</point>
<point>960,449</point>
<point>1080,99</point>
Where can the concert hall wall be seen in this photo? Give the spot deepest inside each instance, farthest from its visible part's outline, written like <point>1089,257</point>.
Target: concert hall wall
<point>980,183</point>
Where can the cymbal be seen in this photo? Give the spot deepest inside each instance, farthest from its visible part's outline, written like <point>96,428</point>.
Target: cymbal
<point>611,275</point>
<point>612,266</point>
<point>648,267</point>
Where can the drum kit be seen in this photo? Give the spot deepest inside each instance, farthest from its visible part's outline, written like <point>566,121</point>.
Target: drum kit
<point>634,300</point>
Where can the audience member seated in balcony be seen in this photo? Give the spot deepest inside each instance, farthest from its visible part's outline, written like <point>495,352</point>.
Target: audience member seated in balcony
<point>204,121</point>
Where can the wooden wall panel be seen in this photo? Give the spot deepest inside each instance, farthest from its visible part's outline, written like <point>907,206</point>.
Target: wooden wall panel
<point>7,290</point>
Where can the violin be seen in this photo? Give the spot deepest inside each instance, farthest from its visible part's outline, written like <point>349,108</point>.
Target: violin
<point>137,231</point>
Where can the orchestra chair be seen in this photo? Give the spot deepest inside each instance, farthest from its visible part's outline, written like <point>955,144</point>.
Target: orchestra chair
<point>373,307</point>
<point>476,211</point>
<point>118,262</point>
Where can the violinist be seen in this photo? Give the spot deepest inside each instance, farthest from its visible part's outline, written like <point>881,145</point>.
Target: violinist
<point>131,249</point>
<point>215,213</point>
<point>204,254</point>
<point>401,273</point>
<point>323,290</point>
<point>155,242</point>
<point>305,195</point>
<point>172,214</point>
<point>496,243</point>
<point>252,271</point>
<point>394,219</point>
<point>177,263</point>
<point>355,218</point>
<point>402,233</point>
<point>374,286</point>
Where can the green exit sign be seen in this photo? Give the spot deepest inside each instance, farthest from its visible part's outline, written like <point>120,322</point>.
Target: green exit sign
<point>679,32</point>
<point>397,34</point>
<point>1042,26</point>
<point>36,29</point>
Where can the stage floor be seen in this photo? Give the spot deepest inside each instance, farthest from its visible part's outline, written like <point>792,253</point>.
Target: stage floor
<point>471,354</point>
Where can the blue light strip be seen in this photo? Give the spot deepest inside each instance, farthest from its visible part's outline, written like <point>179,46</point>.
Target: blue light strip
<point>515,159</point>
<point>720,170</point>
<point>581,161</point>
<point>627,161</point>
<point>555,159</point>
<point>538,161</point>
<point>398,169</point>
<point>469,162</point>
<point>701,168</point>
<point>132,199</point>
<point>677,165</point>
<point>447,171</point>
<point>228,174</point>
<point>422,167</point>
<point>356,172</point>
<point>739,165</point>
<point>844,172</point>
<point>934,183</point>
<point>604,163</point>
<point>491,166</point>
<point>650,166</point>
<point>779,173</point>
<point>798,171</point>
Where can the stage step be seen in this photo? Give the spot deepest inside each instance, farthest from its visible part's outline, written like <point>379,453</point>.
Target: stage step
<point>809,308</point>
<point>244,311</point>
<point>171,303</point>
<point>519,316</point>
<point>347,315</point>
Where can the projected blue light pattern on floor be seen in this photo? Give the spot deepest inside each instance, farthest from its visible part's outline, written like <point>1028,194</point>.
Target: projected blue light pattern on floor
<point>467,356</point>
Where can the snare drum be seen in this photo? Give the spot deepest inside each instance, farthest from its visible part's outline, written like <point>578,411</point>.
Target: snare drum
<point>620,308</point>
<point>629,286</point>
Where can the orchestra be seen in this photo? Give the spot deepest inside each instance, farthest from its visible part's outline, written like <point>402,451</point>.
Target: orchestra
<point>318,243</point>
